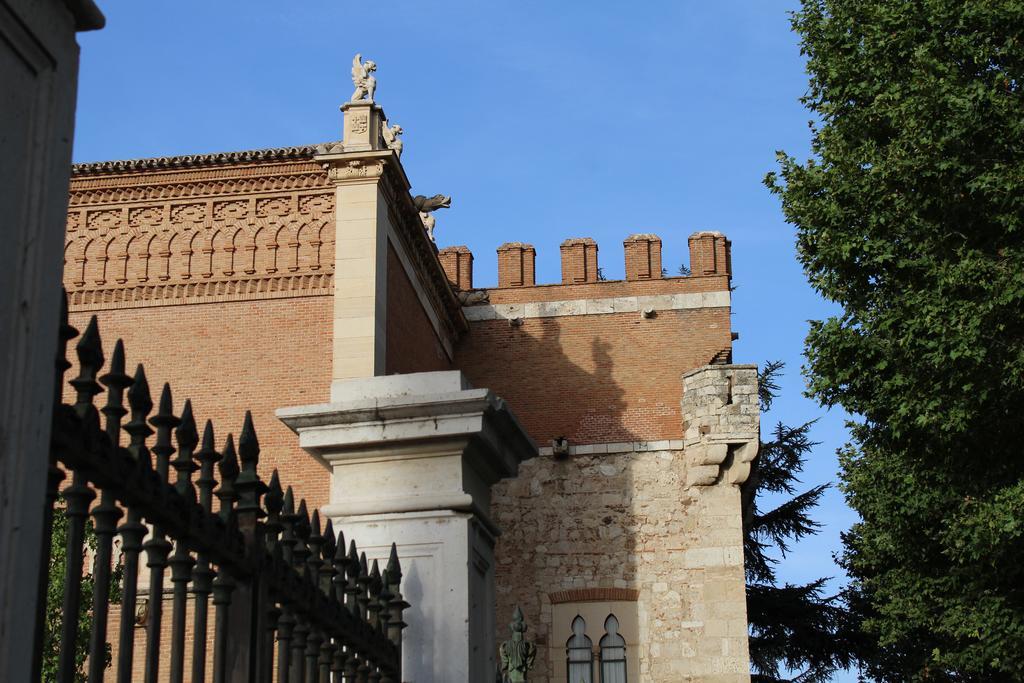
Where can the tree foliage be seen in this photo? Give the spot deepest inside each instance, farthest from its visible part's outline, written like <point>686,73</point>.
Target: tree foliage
<point>792,627</point>
<point>54,618</point>
<point>910,216</point>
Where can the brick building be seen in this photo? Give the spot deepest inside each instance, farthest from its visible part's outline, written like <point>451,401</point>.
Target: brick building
<point>271,279</point>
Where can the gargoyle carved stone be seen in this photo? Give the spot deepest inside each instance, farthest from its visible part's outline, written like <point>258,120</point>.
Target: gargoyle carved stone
<point>474,297</point>
<point>426,205</point>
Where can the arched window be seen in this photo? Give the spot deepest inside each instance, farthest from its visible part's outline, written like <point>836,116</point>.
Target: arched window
<point>613,653</point>
<point>579,653</point>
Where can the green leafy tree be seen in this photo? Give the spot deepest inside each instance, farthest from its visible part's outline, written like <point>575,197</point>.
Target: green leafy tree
<point>910,217</point>
<point>796,628</point>
<point>55,601</point>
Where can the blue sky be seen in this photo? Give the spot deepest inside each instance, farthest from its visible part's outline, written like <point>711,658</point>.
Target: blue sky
<point>543,120</point>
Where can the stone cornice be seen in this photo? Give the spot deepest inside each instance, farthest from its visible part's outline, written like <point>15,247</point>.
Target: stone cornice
<point>217,291</point>
<point>572,307</point>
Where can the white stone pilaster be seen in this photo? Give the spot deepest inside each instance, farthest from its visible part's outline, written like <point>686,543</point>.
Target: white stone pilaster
<point>413,459</point>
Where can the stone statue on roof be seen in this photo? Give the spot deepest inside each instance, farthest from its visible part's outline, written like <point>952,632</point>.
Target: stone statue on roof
<point>361,78</point>
<point>426,206</point>
<point>390,135</point>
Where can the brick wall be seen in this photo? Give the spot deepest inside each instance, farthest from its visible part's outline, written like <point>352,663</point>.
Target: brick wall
<point>412,343</point>
<point>230,357</point>
<point>594,378</point>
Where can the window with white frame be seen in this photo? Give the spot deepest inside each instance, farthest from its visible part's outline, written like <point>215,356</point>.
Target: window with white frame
<point>579,653</point>
<point>610,656</point>
<point>594,640</point>
<point>613,652</point>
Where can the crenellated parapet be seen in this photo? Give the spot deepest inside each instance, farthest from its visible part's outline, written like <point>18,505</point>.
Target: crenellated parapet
<point>709,256</point>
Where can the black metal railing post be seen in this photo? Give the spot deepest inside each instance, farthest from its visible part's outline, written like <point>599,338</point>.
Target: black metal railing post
<point>276,578</point>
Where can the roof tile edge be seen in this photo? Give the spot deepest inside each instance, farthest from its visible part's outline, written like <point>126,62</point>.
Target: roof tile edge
<point>301,152</point>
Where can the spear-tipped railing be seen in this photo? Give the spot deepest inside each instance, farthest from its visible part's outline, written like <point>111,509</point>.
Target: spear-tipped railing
<point>289,597</point>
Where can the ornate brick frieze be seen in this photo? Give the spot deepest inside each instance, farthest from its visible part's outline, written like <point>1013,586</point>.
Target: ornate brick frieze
<point>156,238</point>
<point>191,184</point>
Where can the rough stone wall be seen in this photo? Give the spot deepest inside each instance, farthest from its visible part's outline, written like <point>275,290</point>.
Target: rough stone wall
<point>627,521</point>
<point>412,343</point>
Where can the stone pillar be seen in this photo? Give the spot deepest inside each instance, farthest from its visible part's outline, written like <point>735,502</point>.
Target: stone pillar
<point>721,425</point>
<point>710,254</point>
<point>360,172</point>
<point>458,266</point>
<point>516,265</point>
<point>643,257</point>
<point>39,72</point>
<point>579,260</point>
<point>413,459</point>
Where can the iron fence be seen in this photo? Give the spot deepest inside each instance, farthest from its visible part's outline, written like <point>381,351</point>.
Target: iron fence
<point>291,601</point>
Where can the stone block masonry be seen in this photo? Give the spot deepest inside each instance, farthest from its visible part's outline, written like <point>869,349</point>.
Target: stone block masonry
<point>608,526</point>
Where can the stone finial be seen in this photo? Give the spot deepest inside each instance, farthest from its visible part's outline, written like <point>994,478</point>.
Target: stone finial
<point>721,419</point>
<point>710,254</point>
<point>517,654</point>
<point>643,257</point>
<point>365,84</point>
<point>579,260</point>
<point>516,265</point>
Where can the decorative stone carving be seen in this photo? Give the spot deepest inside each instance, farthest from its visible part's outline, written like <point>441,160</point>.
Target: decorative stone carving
<point>360,123</point>
<point>722,420</point>
<point>355,168</point>
<point>474,297</point>
<point>361,78</point>
<point>427,205</point>
<point>517,654</point>
<point>390,135</point>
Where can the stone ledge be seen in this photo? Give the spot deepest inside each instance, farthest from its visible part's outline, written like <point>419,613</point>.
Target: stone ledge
<point>628,304</point>
<point>621,447</point>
